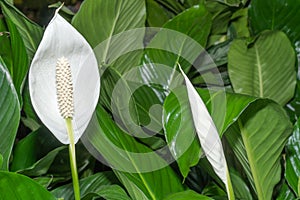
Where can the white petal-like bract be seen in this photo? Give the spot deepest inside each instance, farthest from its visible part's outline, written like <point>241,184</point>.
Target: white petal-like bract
<point>63,40</point>
<point>207,134</point>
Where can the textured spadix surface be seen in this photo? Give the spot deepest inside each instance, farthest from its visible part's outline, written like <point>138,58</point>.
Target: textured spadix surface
<point>62,40</point>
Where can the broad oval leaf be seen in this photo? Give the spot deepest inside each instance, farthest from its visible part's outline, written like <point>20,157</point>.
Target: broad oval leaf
<point>265,68</point>
<point>10,115</point>
<point>15,186</point>
<point>257,139</point>
<point>62,40</point>
<point>276,15</point>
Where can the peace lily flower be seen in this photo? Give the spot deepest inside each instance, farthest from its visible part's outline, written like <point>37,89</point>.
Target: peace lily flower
<point>64,85</point>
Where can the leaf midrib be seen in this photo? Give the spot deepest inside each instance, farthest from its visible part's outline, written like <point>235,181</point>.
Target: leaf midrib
<point>259,70</point>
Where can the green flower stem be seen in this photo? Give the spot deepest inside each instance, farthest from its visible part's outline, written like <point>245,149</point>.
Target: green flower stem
<point>72,155</point>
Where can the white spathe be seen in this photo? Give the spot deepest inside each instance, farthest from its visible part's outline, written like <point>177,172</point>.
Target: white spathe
<point>63,40</point>
<point>207,133</point>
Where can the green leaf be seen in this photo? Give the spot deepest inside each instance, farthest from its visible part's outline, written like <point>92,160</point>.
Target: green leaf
<point>234,3</point>
<point>19,67</point>
<point>9,115</point>
<point>115,17</point>
<point>156,15</point>
<point>265,68</point>
<point>257,139</point>
<point>100,184</point>
<point>292,173</point>
<point>29,31</point>
<point>110,192</point>
<point>239,21</point>
<point>188,194</point>
<point>1,160</point>
<point>241,189</point>
<point>15,186</point>
<point>42,166</point>
<point>276,15</point>
<point>163,54</point>
<point>5,48</point>
<point>285,193</point>
<point>145,174</point>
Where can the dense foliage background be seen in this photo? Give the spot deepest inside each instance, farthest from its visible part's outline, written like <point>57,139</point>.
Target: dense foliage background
<point>256,48</point>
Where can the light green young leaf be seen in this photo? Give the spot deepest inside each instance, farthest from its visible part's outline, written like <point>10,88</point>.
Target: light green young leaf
<point>62,40</point>
<point>208,135</point>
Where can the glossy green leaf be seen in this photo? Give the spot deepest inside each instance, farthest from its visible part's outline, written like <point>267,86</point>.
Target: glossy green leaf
<point>156,15</point>
<point>188,194</point>
<point>116,17</point>
<point>265,68</point>
<point>42,166</point>
<point>15,186</point>
<point>150,175</point>
<point>19,67</point>
<point>101,184</point>
<point>10,115</point>
<point>257,139</point>
<point>276,15</point>
<point>5,48</point>
<point>239,21</point>
<point>29,31</point>
<point>285,193</point>
<point>111,192</point>
<point>292,173</point>
<point>163,54</point>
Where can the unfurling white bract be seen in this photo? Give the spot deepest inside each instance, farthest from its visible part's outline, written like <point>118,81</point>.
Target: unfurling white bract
<point>208,135</point>
<point>64,88</point>
<point>64,80</point>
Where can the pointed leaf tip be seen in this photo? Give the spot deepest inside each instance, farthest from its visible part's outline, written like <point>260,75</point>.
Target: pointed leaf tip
<point>208,135</point>
<point>62,40</point>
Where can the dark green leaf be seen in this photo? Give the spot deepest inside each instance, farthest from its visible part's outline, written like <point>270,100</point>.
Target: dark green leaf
<point>150,175</point>
<point>14,186</point>
<point>263,69</point>
<point>292,172</point>
<point>5,48</point>
<point>20,65</point>
<point>91,185</point>
<point>286,193</point>
<point>156,15</point>
<point>110,192</point>
<point>29,31</point>
<point>9,115</point>
<point>276,15</point>
<point>189,194</point>
<point>239,21</point>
